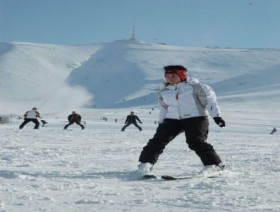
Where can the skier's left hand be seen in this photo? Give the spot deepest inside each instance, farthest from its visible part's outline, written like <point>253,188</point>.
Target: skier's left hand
<point>220,121</point>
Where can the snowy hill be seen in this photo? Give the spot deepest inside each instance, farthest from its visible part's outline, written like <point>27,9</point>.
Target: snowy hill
<point>121,74</point>
<point>35,74</point>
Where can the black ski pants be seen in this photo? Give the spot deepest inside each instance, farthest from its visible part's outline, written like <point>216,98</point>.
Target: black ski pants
<point>35,121</point>
<point>196,132</point>
<point>129,123</point>
<point>72,122</point>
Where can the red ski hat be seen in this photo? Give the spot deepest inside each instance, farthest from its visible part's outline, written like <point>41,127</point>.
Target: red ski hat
<point>176,69</point>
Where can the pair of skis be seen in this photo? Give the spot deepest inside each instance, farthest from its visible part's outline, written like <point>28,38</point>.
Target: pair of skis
<point>170,177</point>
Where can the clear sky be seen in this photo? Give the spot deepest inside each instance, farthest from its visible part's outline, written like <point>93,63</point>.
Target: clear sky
<point>221,23</point>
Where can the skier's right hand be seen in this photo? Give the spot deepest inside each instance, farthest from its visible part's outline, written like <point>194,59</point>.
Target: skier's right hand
<point>219,121</point>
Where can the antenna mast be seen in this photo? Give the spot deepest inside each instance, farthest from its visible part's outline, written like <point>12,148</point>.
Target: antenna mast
<point>133,31</point>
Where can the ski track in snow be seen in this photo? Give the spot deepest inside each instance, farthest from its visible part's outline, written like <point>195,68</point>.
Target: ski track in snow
<point>94,169</point>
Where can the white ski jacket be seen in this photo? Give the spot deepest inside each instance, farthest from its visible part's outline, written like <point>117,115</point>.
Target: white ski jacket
<point>186,100</point>
<point>32,114</point>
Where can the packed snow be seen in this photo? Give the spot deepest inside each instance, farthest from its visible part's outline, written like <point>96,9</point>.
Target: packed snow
<point>52,169</point>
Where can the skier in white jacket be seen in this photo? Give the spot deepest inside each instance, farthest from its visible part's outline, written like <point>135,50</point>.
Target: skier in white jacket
<point>183,106</point>
<point>33,116</point>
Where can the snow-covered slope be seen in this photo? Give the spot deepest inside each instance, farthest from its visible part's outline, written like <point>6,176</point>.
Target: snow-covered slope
<point>122,73</point>
<point>94,169</point>
<point>35,74</point>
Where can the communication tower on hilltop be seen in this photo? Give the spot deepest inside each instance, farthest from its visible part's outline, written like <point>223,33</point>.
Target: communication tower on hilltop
<point>133,31</point>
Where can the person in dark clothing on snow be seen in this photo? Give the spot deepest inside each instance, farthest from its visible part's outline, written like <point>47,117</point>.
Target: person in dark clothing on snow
<point>273,130</point>
<point>132,119</point>
<point>33,116</point>
<point>74,118</point>
<point>183,102</point>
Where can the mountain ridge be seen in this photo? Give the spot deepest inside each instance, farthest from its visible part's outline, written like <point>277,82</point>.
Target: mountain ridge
<point>118,74</point>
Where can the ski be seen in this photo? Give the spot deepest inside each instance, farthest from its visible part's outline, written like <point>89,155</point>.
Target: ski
<point>149,176</point>
<point>182,177</point>
<point>170,177</point>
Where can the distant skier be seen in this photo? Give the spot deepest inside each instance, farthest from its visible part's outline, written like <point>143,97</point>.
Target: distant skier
<point>183,102</point>
<point>273,130</point>
<point>33,116</point>
<point>132,119</point>
<point>74,118</point>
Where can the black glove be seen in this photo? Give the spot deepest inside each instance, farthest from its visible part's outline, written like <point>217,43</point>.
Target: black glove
<point>219,121</point>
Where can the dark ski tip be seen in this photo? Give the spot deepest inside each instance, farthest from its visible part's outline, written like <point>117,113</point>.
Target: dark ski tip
<point>168,177</point>
<point>149,176</point>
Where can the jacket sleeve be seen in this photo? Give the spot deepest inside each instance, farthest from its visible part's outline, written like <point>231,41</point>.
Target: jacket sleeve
<point>69,118</point>
<point>137,118</point>
<point>79,118</point>
<point>126,119</point>
<point>208,98</point>
<point>162,109</point>
<point>38,114</point>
